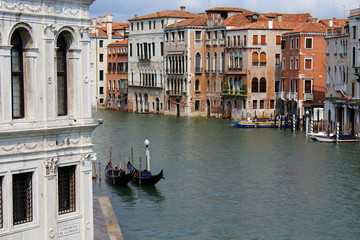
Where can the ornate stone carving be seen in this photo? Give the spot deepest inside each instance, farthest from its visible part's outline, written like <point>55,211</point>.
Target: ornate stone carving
<point>20,6</point>
<point>84,32</point>
<point>50,165</point>
<point>86,159</point>
<point>8,148</point>
<point>75,141</point>
<point>49,31</point>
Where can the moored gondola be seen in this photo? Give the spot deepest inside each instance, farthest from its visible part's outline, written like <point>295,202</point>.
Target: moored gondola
<point>146,178</point>
<point>118,177</point>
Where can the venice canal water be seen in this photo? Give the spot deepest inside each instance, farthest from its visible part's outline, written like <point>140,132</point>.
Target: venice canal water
<point>226,183</point>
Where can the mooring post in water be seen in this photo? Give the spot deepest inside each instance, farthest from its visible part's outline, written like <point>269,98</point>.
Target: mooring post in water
<point>294,123</point>
<point>112,167</point>
<point>140,172</point>
<point>132,156</point>
<point>307,123</point>
<point>337,132</point>
<point>100,169</point>
<point>95,177</point>
<point>124,163</point>
<point>120,163</point>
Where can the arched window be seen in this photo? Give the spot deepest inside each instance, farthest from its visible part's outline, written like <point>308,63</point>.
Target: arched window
<point>17,76</point>
<point>262,59</point>
<point>254,85</point>
<point>262,85</point>
<point>328,76</point>
<point>255,59</point>
<point>208,86</point>
<point>236,60</point>
<point>208,62</point>
<point>214,86</point>
<point>222,62</point>
<point>231,60</point>
<point>62,100</point>
<point>231,84</point>
<point>215,62</point>
<point>197,85</point>
<point>197,63</point>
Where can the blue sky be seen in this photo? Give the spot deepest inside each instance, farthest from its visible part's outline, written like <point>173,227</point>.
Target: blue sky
<point>124,10</point>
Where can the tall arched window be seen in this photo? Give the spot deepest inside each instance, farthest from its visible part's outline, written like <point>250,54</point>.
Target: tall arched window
<point>215,62</point>
<point>255,59</point>
<point>208,62</point>
<point>197,85</point>
<point>328,76</point>
<point>62,100</point>
<point>17,76</point>
<point>231,60</point>
<point>254,85</point>
<point>198,63</point>
<point>262,59</point>
<point>222,62</point>
<point>236,60</point>
<point>262,85</point>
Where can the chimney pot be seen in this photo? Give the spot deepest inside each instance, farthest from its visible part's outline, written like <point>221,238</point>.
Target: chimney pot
<point>182,8</point>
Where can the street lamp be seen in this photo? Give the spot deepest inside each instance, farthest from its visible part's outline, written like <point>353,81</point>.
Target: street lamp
<point>147,154</point>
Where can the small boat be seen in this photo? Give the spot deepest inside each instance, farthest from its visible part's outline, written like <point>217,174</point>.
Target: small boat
<point>323,134</point>
<point>147,179</point>
<point>117,176</point>
<point>252,123</point>
<point>342,139</point>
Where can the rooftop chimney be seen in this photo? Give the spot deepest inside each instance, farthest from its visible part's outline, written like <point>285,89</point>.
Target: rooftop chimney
<point>135,16</point>
<point>271,24</point>
<point>182,8</point>
<point>331,23</point>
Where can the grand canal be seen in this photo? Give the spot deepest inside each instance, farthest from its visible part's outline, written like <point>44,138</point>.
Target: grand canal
<point>226,183</point>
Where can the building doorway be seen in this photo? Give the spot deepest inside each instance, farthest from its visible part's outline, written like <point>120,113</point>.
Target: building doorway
<point>208,108</point>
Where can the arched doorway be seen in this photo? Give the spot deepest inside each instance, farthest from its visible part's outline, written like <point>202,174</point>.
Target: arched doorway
<point>146,103</point>
<point>228,110</point>
<point>208,108</point>
<point>136,103</point>
<point>177,107</point>
<point>157,105</point>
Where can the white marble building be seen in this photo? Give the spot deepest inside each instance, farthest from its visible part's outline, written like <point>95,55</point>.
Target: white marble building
<point>45,120</point>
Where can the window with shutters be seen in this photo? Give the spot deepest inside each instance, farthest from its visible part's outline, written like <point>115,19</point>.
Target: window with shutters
<point>66,189</point>
<point>255,39</point>
<point>22,192</point>
<point>308,63</point>
<point>197,63</point>
<point>277,59</point>
<point>254,104</point>
<point>262,104</point>
<point>278,40</point>
<point>262,59</point>
<point>308,87</point>
<point>255,59</point>
<point>263,39</point>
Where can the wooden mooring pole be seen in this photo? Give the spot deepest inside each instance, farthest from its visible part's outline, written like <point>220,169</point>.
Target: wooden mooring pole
<point>112,167</point>
<point>132,156</point>
<point>140,172</point>
<point>100,169</point>
<point>95,177</point>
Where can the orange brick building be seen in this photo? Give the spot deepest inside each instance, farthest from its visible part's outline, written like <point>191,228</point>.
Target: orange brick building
<point>117,77</point>
<point>302,85</point>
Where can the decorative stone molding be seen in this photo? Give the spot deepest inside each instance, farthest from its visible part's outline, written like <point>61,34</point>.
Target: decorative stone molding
<point>49,31</point>
<point>63,11</point>
<point>86,159</point>
<point>84,32</point>
<point>50,165</point>
<point>20,6</point>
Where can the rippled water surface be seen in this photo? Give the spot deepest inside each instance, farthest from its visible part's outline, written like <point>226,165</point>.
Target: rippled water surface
<point>226,183</point>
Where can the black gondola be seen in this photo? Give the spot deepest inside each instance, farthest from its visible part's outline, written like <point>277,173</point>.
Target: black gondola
<point>118,176</point>
<point>147,179</point>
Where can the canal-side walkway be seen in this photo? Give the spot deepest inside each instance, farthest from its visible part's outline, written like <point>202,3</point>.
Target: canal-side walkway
<point>106,226</point>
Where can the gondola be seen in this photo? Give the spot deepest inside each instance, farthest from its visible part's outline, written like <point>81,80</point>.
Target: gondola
<point>118,177</point>
<point>147,179</point>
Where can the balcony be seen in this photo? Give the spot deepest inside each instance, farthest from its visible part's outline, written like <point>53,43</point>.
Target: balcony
<point>208,41</point>
<point>222,42</point>
<point>280,95</point>
<point>214,42</point>
<point>308,97</point>
<point>198,70</point>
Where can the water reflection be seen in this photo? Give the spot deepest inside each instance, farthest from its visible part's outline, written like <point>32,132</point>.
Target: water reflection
<point>226,183</point>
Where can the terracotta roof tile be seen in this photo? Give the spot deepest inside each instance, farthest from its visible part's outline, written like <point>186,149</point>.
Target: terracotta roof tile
<point>286,17</point>
<point>236,20</point>
<point>231,9</point>
<point>264,25</point>
<point>123,42</point>
<point>102,31</point>
<point>200,20</point>
<point>335,22</point>
<point>309,28</point>
<point>167,13</point>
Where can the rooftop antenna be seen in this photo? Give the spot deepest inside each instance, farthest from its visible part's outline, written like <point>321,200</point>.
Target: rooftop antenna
<point>344,6</point>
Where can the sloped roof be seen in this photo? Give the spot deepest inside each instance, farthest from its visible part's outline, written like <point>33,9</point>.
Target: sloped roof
<point>200,20</point>
<point>309,28</point>
<point>123,42</point>
<point>335,22</point>
<point>119,26</point>
<point>231,9</point>
<point>264,25</point>
<point>102,31</point>
<point>167,13</point>
<point>289,17</point>
<point>236,20</point>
